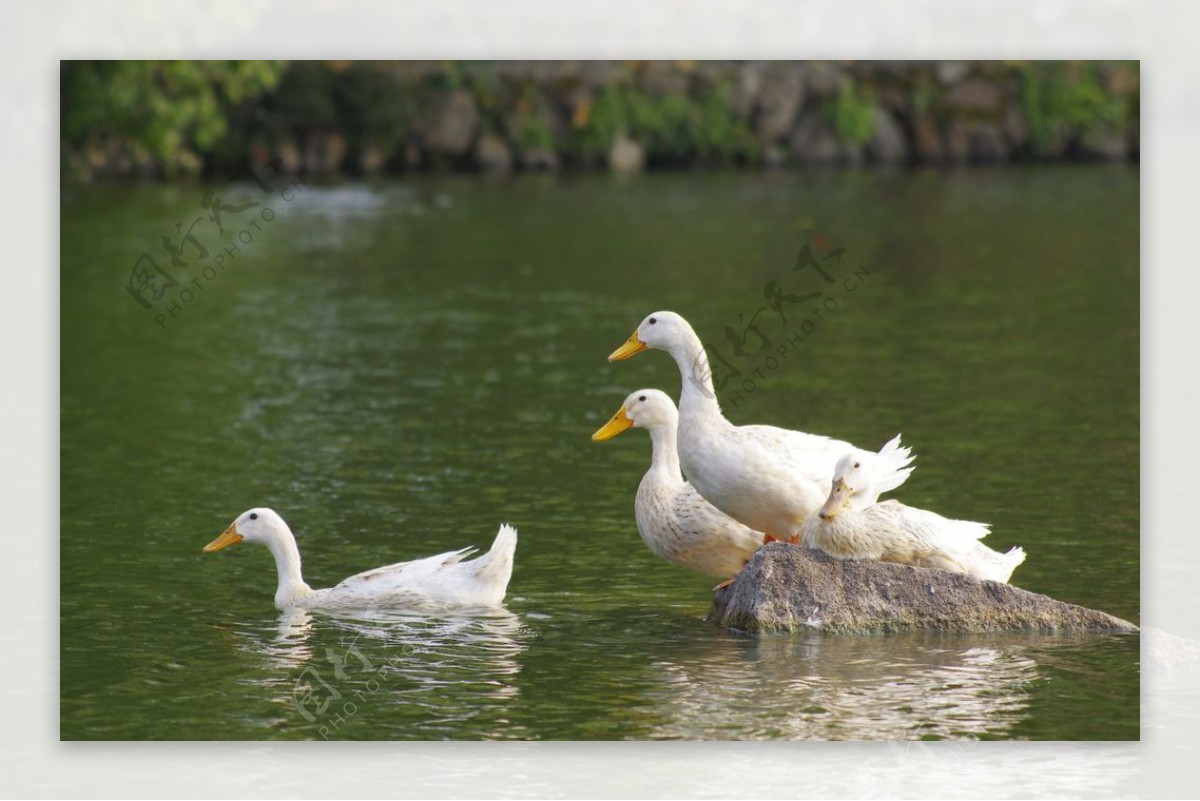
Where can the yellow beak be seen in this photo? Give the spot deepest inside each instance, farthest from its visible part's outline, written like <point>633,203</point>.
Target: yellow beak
<point>619,422</point>
<point>838,498</point>
<point>632,347</point>
<point>228,537</point>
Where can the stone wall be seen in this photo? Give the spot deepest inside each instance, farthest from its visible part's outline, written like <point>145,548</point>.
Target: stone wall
<point>378,117</point>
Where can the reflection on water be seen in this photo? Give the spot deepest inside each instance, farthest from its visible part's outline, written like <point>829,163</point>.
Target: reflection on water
<point>399,674</point>
<point>849,688</point>
<point>289,648</point>
<point>330,671</point>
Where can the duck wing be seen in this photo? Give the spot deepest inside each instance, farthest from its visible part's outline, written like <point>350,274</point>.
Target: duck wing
<point>402,575</point>
<point>811,456</point>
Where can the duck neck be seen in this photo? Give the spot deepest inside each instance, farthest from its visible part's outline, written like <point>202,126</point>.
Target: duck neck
<point>287,563</point>
<point>861,499</point>
<point>664,458</point>
<point>697,398</point>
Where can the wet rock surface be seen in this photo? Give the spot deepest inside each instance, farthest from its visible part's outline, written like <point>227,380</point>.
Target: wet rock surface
<point>789,588</point>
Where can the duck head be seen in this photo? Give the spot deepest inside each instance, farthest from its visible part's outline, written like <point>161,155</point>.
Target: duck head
<point>646,408</point>
<point>261,525</point>
<point>664,330</point>
<point>852,481</point>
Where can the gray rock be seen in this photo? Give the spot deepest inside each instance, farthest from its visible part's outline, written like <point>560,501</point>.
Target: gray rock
<point>977,96</point>
<point>626,155</point>
<point>949,72</point>
<point>492,153</point>
<point>744,98</point>
<point>986,144</point>
<point>1104,142</point>
<point>779,102</point>
<point>889,67</point>
<point>666,77</point>
<point>957,142</point>
<point>601,73</point>
<point>788,588</point>
<point>888,144</point>
<point>371,159</point>
<point>814,142</point>
<point>774,157</point>
<point>323,153</point>
<point>927,140</point>
<point>1120,79</point>
<point>291,160</point>
<point>539,158</point>
<point>451,128</point>
<point>894,99</point>
<point>961,141</point>
<point>823,79</point>
<point>1016,130</point>
<point>412,155</point>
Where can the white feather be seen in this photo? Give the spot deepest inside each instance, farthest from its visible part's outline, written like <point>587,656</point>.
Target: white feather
<point>448,580</point>
<point>860,527</point>
<point>674,522</point>
<point>767,478</point>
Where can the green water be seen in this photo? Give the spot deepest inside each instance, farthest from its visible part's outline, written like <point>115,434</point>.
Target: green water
<point>398,368</point>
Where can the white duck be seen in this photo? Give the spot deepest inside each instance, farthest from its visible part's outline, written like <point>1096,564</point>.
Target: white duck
<point>851,525</point>
<point>442,581</point>
<point>770,479</point>
<point>674,521</point>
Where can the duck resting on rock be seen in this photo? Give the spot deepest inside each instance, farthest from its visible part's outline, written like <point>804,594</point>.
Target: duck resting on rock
<point>853,525</point>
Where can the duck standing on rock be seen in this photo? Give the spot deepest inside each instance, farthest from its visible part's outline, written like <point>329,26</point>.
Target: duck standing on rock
<point>674,521</point>
<point>770,479</point>
<point>853,525</point>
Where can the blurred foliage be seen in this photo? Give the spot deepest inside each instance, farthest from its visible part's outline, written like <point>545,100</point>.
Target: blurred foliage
<point>1065,100</point>
<point>673,127</point>
<point>852,115</point>
<point>534,134</point>
<point>924,97</point>
<point>306,97</point>
<point>376,101</point>
<point>168,113</point>
<point>180,118</point>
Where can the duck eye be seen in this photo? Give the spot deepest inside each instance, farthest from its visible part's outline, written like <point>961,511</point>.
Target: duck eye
<point>642,398</point>
<point>856,464</point>
<point>653,321</point>
<point>254,515</point>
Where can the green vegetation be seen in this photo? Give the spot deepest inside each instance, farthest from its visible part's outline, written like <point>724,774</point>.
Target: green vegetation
<point>166,114</point>
<point>1065,100</point>
<point>852,115</point>
<point>924,96</point>
<point>723,135</point>
<point>178,118</point>
<point>376,101</point>
<point>673,127</point>
<point>534,134</point>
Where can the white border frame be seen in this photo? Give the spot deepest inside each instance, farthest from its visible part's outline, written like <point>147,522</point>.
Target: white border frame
<point>36,35</point>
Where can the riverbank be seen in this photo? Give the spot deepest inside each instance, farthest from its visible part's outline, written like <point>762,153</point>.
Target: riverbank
<point>170,119</point>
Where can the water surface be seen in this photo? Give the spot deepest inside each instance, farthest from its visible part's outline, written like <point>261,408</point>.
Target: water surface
<point>399,367</point>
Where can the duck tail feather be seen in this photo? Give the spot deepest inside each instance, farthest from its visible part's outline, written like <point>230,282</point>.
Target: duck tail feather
<point>893,464</point>
<point>499,558</point>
